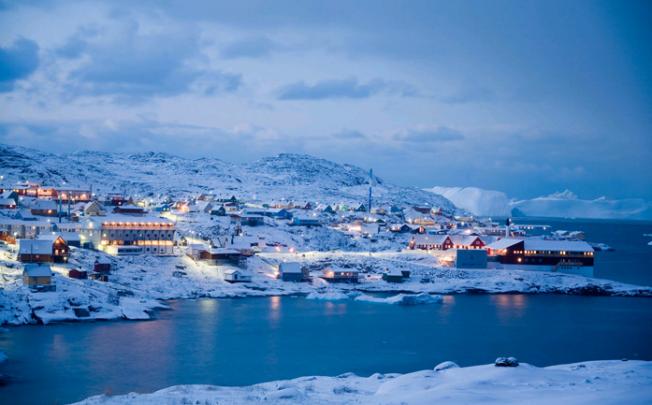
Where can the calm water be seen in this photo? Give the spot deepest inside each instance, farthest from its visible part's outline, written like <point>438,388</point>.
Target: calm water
<point>244,341</point>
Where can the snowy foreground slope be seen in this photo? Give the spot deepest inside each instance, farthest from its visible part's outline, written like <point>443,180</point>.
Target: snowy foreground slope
<point>564,204</point>
<point>603,382</point>
<point>286,176</point>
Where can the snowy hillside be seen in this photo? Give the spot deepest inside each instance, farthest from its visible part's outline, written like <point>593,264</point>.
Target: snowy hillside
<point>563,204</point>
<point>286,176</point>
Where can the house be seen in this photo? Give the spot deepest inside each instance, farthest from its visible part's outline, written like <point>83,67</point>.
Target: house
<point>305,221</point>
<point>467,242</point>
<point>8,203</point>
<point>38,276</point>
<point>219,211</point>
<point>431,242</point>
<point>93,208</point>
<point>361,208</point>
<point>293,271</point>
<point>71,238</point>
<point>328,210</point>
<point>78,274</point>
<point>247,219</point>
<point>340,275</point>
<point>42,250</point>
<point>115,199</point>
<point>102,265</point>
<point>129,209</point>
<point>281,214</point>
<point>396,275</point>
<point>564,256</point>
<point>236,276</point>
<point>25,215</point>
<point>46,208</point>
<point>122,235</point>
<point>401,228</point>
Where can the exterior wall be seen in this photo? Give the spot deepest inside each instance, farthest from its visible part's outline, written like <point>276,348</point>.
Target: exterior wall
<point>471,259</point>
<point>30,281</point>
<point>30,258</point>
<point>154,239</point>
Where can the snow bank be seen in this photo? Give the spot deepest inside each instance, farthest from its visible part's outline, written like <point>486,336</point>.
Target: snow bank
<point>402,299</point>
<point>604,382</point>
<point>327,295</point>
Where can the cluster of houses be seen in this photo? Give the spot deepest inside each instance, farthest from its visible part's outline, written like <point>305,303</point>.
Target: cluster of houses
<point>43,222</point>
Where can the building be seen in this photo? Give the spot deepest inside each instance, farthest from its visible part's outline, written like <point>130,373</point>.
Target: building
<point>12,229</point>
<point>396,275</point>
<point>467,242</point>
<point>431,242</point>
<point>38,276</point>
<point>471,259</point>
<point>236,276</point>
<point>129,209</point>
<point>8,203</point>
<point>47,250</point>
<point>77,274</point>
<point>247,219</point>
<point>293,271</point>
<point>94,208</point>
<point>121,235</point>
<point>46,208</point>
<point>102,265</point>
<point>564,256</point>
<point>305,221</point>
<point>340,276</point>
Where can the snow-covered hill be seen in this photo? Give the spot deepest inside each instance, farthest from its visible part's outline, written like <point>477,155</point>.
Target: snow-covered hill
<point>563,204</point>
<point>286,176</point>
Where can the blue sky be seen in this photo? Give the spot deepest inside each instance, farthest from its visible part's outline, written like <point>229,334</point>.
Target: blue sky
<point>524,97</point>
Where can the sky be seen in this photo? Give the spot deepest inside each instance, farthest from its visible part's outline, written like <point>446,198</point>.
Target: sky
<point>526,97</point>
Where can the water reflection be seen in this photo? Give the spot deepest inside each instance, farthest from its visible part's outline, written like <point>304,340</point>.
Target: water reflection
<point>274,310</point>
<point>447,304</point>
<point>208,306</point>
<point>509,306</point>
<point>332,308</point>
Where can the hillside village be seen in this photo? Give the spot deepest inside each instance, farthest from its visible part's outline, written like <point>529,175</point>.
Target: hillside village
<point>103,250</point>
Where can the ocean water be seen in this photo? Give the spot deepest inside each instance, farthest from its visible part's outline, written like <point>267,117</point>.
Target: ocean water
<point>245,341</point>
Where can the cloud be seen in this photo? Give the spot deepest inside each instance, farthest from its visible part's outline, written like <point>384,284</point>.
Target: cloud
<point>17,61</point>
<point>470,95</point>
<point>252,47</point>
<point>342,88</point>
<point>350,135</point>
<point>429,135</point>
<point>131,65</point>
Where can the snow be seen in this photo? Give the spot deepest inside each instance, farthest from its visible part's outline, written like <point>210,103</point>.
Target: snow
<point>604,382</point>
<point>402,299</point>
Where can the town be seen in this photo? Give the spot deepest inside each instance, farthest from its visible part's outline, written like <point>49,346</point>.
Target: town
<point>40,225</point>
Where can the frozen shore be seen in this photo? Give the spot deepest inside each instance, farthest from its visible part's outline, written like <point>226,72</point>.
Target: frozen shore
<point>604,382</point>
<point>140,284</point>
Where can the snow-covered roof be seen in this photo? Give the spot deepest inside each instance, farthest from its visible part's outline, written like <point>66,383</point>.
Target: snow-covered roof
<point>428,239</point>
<point>290,267</point>
<point>44,205</point>
<point>37,270</point>
<point>504,243</point>
<point>557,245</point>
<point>131,218</point>
<point>34,246</point>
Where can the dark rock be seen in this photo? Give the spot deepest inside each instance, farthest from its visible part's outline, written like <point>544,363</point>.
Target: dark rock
<point>506,362</point>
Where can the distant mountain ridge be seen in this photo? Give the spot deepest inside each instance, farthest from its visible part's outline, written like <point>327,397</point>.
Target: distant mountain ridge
<point>285,176</point>
<point>562,204</point>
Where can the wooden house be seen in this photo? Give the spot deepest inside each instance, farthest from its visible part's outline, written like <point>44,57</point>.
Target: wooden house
<point>38,276</point>
<point>293,271</point>
<point>340,275</point>
<point>46,208</point>
<point>129,209</point>
<point>236,276</point>
<point>93,208</point>
<point>396,275</point>
<point>78,274</point>
<point>431,242</point>
<point>46,249</point>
